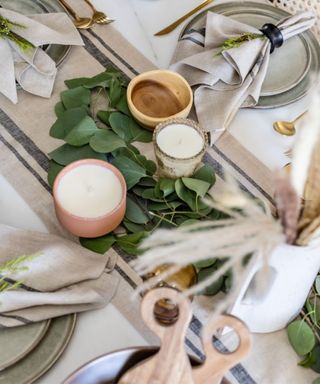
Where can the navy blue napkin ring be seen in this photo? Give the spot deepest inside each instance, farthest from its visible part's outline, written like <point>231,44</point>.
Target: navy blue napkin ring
<point>274,34</point>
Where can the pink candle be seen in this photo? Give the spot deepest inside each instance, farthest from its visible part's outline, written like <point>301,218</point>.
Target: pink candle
<point>90,197</point>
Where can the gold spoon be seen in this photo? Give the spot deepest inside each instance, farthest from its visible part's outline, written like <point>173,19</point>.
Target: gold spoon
<point>287,128</point>
<point>79,22</point>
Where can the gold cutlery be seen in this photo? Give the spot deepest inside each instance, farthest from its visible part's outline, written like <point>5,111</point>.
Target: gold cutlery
<point>287,128</point>
<point>99,17</point>
<point>79,22</point>
<point>174,25</point>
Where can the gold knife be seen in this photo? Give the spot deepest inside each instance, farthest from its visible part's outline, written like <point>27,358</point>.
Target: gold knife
<point>174,25</point>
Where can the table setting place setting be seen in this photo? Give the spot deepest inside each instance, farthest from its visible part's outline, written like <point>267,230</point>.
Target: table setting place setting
<point>141,240</point>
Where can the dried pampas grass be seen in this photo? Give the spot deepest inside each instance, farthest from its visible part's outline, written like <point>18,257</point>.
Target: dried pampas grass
<point>249,230</point>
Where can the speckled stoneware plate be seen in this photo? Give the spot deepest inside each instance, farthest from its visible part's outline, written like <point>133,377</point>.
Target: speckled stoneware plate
<point>47,352</point>
<point>19,341</point>
<point>287,79</point>
<point>28,7</point>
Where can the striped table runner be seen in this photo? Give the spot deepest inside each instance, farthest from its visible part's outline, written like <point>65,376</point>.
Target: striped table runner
<point>25,143</point>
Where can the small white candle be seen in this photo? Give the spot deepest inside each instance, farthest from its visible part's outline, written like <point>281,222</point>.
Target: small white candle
<point>180,141</point>
<point>89,191</point>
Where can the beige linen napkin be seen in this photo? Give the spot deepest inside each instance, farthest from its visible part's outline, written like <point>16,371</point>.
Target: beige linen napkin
<point>62,278</point>
<point>226,81</point>
<point>33,69</point>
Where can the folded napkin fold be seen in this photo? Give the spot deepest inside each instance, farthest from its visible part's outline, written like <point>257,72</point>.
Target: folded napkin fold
<point>61,278</point>
<point>32,68</point>
<point>226,80</point>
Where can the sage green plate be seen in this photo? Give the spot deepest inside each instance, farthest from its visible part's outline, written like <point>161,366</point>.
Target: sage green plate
<point>19,341</point>
<point>28,7</point>
<point>38,361</point>
<point>289,70</point>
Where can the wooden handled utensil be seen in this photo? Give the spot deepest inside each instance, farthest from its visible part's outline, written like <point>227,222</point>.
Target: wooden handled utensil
<point>218,363</point>
<point>171,364</point>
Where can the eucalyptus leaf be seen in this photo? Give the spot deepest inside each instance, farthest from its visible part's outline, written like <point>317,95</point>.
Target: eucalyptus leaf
<point>128,129</point>
<point>167,186</point>
<point>316,356</point>
<point>215,287</point>
<point>98,244</point>
<point>130,243</point>
<point>82,132</point>
<point>122,105</point>
<point>205,173</point>
<point>205,263</point>
<point>158,206</point>
<point>66,154</point>
<point>147,182</point>
<point>185,194</point>
<point>132,227</point>
<point>67,121</point>
<point>135,213</point>
<point>115,91</point>
<point>131,171</point>
<point>106,141</point>
<point>150,195</point>
<point>78,82</point>
<point>317,284</point>
<point>53,171</point>
<point>59,109</point>
<point>104,117</point>
<point>301,337</point>
<point>316,381</point>
<point>308,361</point>
<point>101,80</point>
<point>198,186</point>
<point>76,97</point>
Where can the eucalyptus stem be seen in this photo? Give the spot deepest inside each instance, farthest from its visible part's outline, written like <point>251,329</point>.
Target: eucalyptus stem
<point>163,218</point>
<point>237,41</point>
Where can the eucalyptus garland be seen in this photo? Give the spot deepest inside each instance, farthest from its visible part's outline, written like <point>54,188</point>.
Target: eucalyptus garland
<point>7,33</point>
<point>108,134</point>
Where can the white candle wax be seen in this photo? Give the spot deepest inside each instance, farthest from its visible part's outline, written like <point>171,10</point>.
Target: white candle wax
<point>180,141</point>
<point>89,191</point>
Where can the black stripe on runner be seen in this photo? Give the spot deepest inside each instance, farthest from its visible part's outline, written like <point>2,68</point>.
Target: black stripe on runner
<point>125,276</point>
<point>242,173</point>
<point>24,140</point>
<point>25,163</point>
<point>99,56</point>
<point>115,54</point>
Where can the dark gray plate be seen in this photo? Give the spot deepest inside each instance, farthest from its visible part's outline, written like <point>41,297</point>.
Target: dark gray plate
<point>108,369</point>
<point>28,7</point>
<point>290,66</point>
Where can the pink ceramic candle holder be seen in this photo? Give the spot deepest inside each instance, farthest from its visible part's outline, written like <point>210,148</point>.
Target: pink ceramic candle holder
<point>98,225</point>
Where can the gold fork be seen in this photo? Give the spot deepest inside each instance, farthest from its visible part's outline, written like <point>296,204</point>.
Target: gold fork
<point>98,17</point>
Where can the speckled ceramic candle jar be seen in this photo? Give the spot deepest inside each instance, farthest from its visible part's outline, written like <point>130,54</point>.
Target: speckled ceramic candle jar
<point>179,146</point>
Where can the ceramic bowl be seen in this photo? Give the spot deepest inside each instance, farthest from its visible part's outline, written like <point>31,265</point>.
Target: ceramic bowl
<point>159,95</point>
<point>90,227</point>
<point>108,369</point>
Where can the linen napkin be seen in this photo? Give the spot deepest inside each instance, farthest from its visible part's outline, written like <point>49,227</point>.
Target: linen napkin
<point>60,278</point>
<point>225,81</point>
<point>33,69</point>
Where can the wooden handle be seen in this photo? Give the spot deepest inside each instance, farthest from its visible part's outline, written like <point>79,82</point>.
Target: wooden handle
<point>171,364</point>
<point>217,363</point>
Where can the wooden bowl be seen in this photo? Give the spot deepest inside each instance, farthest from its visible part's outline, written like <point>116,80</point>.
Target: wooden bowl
<point>108,369</point>
<point>159,95</point>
